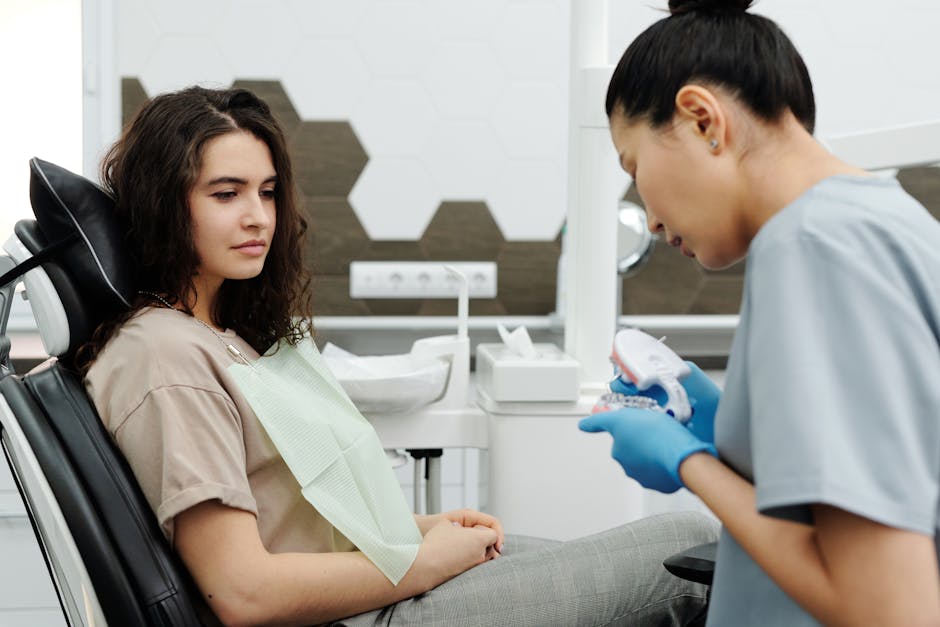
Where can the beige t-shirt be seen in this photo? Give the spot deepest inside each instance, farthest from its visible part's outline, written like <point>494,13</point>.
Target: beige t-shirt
<point>163,392</point>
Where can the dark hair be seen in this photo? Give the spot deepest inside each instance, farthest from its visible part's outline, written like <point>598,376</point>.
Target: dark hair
<point>714,42</point>
<point>150,171</point>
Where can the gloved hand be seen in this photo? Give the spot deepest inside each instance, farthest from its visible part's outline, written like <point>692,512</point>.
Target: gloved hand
<point>648,444</point>
<point>703,398</point>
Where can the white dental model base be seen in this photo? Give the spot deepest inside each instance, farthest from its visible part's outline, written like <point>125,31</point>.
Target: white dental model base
<point>645,362</point>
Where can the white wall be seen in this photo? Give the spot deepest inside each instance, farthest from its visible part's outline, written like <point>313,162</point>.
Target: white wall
<point>41,107</point>
<point>451,99</point>
<point>873,64</point>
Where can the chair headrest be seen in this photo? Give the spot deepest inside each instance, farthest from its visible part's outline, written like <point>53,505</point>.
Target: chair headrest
<point>65,205</point>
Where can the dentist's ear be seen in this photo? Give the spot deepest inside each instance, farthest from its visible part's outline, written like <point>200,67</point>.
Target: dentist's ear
<point>700,105</point>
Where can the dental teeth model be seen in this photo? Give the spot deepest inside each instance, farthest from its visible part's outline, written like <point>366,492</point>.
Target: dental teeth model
<point>616,400</point>
<point>644,361</point>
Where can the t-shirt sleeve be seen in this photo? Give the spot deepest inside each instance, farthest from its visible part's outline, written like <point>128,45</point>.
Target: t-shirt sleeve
<point>185,446</point>
<point>843,375</point>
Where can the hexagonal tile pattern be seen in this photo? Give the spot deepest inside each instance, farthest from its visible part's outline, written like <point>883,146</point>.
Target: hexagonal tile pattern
<point>525,287</point>
<point>718,294</point>
<point>464,79</point>
<point>690,289</point>
<point>529,201</point>
<point>532,41</point>
<point>182,60</point>
<point>182,17</point>
<point>667,284</point>
<point>328,18</point>
<point>396,118</point>
<point>394,198</point>
<point>459,20</point>
<point>394,38</point>
<point>331,298</point>
<point>326,79</point>
<point>327,158</point>
<point>394,306</point>
<point>133,97</point>
<point>531,120</point>
<point>464,158</point>
<point>273,93</point>
<point>462,231</point>
<point>392,250</point>
<point>136,38</point>
<point>335,237</point>
<point>268,57</point>
<point>924,185</point>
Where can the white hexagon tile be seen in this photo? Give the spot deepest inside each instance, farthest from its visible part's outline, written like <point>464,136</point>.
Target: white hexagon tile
<point>394,198</point>
<point>267,58</point>
<point>395,118</point>
<point>328,18</point>
<point>181,60</point>
<point>326,79</point>
<point>464,158</point>
<point>395,38</point>
<point>136,38</point>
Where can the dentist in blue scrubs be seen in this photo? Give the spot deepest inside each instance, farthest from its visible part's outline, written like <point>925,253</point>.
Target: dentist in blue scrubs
<point>822,456</point>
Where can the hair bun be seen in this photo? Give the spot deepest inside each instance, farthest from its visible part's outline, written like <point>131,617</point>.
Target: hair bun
<point>680,7</point>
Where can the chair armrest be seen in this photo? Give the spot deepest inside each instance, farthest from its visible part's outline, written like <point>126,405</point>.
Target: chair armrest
<point>696,564</point>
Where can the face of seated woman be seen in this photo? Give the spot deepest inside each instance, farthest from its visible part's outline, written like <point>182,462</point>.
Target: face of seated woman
<point>233,210</point>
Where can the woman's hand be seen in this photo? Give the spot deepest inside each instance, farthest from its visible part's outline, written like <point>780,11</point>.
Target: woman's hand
<point>449,549</point>
<point>463,518</point>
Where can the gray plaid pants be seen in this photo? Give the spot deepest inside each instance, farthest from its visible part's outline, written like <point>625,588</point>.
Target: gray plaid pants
<point>611,578</point>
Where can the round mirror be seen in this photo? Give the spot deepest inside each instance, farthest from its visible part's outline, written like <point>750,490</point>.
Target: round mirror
<point>634,240</point>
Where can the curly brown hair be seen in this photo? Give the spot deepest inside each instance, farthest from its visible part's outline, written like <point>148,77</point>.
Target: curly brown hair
<point>150,171</point>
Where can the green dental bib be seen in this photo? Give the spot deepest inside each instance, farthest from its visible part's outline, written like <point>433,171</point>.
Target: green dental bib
<point>332,451</point>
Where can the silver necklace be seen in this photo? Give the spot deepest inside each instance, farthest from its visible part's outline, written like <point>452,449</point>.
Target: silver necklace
<point>234,352</point>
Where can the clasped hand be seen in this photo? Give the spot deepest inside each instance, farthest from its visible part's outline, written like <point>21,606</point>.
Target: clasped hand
<point>651,445</point>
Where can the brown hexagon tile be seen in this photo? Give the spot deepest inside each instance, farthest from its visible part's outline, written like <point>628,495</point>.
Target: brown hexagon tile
<point>526,277</point>
<point>667,284</point>
<point>331,298</point>
<point>462,231</point>
<point>394,306</point>
<point>735,269</point>
<point>133,97</point>
<point>272,92</point>
<point>394,250</point>
<point>923,183</point>
<point>719,294</point>
<point>335,236</point>
<point>632,195</point>
<point>328,158</point>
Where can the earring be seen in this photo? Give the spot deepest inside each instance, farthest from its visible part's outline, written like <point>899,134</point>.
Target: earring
<point>713,144</point>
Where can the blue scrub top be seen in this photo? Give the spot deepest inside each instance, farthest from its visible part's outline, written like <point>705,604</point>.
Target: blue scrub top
<point>832,393</point>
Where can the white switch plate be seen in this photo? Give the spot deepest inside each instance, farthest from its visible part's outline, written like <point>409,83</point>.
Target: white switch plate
<point>420,279</point>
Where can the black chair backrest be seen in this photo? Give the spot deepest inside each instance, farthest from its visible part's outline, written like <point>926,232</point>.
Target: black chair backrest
<point>91,274</point>
<point>138,578</point>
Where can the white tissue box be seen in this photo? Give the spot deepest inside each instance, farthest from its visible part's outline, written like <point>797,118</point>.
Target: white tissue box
<point>507,376</point>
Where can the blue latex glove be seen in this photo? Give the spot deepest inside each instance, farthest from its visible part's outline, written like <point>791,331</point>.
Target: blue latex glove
<point>648,444</point>
<point>703,398</point>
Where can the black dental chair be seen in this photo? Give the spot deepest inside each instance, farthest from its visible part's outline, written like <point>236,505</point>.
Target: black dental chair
<point>109,561</point>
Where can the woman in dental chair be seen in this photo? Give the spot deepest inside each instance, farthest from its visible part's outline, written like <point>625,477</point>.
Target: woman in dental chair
<point>823,463</point>
<point>203,186</point>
